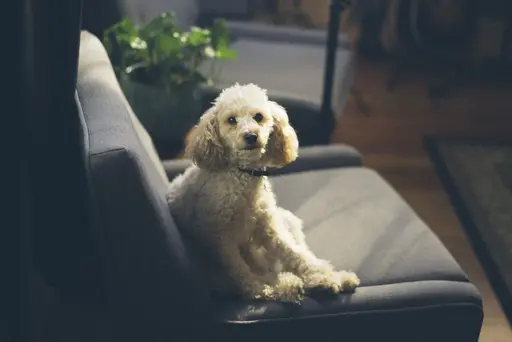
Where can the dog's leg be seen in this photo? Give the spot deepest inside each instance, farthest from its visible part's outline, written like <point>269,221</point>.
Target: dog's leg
<point>316,273</point>
<point>288,288</point>
<point>250,284</point>
<point>294,225</point>
<point>347,280</point>
<point>257,258</point>
<point>285,286</point>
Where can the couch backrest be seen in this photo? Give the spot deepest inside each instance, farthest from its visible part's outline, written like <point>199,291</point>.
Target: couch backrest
<point>149,280</point>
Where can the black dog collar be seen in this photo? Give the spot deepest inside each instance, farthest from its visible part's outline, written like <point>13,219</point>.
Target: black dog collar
<point>255,172</point>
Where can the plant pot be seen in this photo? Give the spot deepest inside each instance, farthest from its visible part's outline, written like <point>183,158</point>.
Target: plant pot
<point>166,120</point>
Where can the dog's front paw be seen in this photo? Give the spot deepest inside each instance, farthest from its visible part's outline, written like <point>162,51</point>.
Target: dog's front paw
<point>348,280</point>
<point>323,282</point>
<point>260,291</point>
<point>289,288</point>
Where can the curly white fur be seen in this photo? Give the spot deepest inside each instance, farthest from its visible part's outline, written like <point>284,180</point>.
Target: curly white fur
<point>247,244</point>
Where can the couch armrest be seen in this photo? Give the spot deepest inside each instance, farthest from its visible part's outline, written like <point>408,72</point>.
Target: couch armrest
<point>174,167</point>
<point>322,157</point>
<point>310,158</point>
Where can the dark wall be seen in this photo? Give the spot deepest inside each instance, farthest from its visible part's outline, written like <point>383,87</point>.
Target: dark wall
<point>97,15</point>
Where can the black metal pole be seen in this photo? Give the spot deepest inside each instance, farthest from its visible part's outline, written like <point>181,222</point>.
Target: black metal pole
<point>330,56</point>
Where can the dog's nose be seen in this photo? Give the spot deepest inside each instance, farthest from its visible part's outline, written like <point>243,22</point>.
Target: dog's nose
<point>250,138</point>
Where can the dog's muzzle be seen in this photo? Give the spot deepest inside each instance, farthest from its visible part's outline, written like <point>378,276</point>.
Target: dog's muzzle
<point>251,141</point>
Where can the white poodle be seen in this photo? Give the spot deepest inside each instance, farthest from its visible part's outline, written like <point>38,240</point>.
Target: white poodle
<point>225,206</point>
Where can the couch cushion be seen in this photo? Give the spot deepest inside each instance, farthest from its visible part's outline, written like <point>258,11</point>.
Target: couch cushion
<point>355,219</point>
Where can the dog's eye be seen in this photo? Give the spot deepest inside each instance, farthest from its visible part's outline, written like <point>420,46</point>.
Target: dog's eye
<point>232,120</point>
<point>258,117</point>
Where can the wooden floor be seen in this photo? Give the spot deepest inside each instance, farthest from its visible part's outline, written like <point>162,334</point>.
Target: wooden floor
<point>390,138</point>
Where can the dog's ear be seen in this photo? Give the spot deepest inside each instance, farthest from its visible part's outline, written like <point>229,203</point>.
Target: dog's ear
<point>283,145</point>
<point>204,147</point>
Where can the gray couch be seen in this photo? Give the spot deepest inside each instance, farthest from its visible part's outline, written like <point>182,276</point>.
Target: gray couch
<point>412,288</point>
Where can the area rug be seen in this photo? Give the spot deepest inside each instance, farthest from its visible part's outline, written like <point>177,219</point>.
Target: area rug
<point>477,175</point>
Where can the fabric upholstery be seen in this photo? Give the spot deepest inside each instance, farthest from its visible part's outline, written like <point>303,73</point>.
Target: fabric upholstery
<point>412,288</point>
<point>377,234</point>
<point>322,157</point>
<point>149,278</point>
<point>174,167</point>
<point>310,158</point>
<point>355,219</point>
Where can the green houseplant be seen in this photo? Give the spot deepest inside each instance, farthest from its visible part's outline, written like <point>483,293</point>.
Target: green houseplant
<point>158,68</point>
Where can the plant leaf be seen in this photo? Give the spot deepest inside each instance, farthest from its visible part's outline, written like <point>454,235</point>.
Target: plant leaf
<point>124,26</point>
<point>161,24</point>
<point>160,54</point>
<point>219,34</point>
<point>123,44</point>
<point>225,53</point>
<point>137,43</point>
<point>209,52</point>
<point>167,44</point>
<point>198,36</point>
